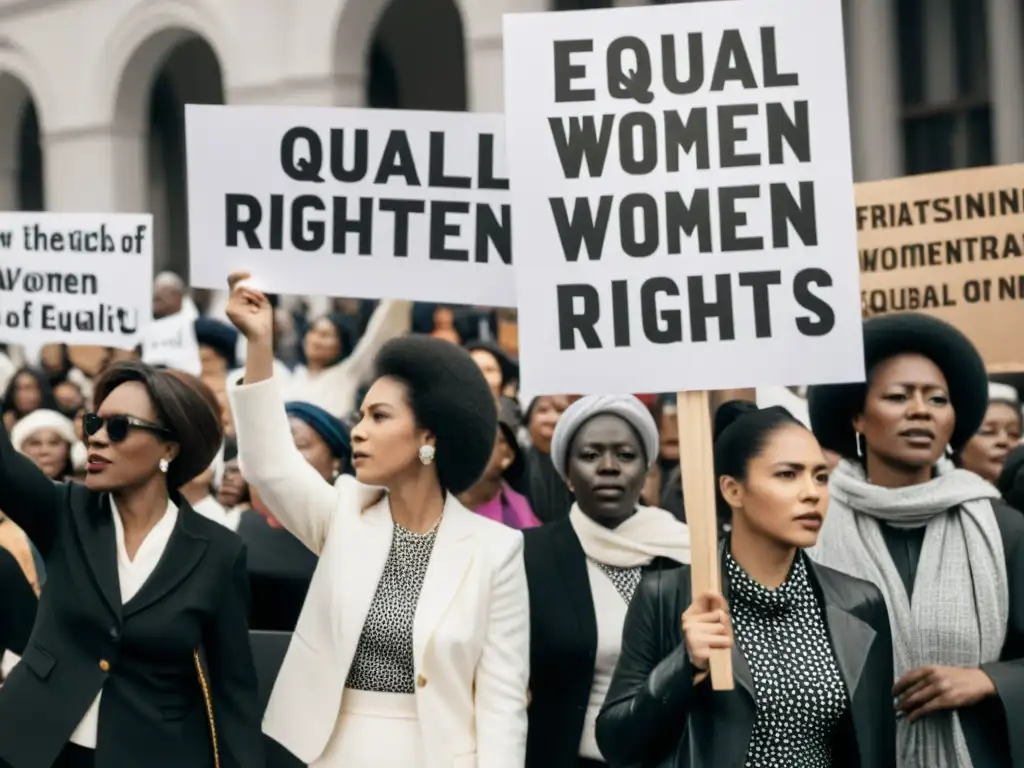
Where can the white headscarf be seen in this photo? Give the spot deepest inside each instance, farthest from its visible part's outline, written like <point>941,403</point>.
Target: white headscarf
<point>44,418</point>
<point>624,406</point>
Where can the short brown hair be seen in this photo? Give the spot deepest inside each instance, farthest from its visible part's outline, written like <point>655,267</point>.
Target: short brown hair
<point>184,405</point>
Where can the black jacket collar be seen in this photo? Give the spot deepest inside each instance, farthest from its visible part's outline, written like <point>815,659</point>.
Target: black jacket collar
<point>94,523</point>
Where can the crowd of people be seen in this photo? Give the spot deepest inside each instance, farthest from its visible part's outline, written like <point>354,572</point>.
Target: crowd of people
<point>474,578</point>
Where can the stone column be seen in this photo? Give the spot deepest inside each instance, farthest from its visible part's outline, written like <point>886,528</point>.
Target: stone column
<point>95,169</point>
<point>1006,78</point>
<point>875,97</point>
<point>485,69</point>
<point>485,72</point>
<point>8,188</point>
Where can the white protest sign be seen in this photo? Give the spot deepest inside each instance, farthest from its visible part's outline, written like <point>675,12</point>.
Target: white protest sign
<point>368,203</point>
<point>171,341</point>
<point>684,214</point>
<point>75,278</point>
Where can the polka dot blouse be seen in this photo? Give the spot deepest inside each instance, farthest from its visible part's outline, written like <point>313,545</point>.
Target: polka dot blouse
<point>384,656</point>
<point>799,693</point>
<point>626,580</point>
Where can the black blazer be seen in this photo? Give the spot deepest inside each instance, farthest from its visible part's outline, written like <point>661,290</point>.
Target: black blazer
<point>563,644</point>
<point>654,717</point>
<point>17,605</point>
<point>140,654</point>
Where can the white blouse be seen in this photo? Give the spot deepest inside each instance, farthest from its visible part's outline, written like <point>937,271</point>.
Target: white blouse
<point>610,611</point>
<point>132,574</point>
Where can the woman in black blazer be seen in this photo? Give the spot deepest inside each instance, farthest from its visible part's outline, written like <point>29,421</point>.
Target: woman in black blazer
<point>582,570</point>
<point>811,647</point>
<point>139,587</point>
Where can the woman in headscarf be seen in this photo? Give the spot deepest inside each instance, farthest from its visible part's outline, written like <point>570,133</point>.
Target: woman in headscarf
<point>218,344</point>
<point>583,570</point>
<point>334,366</point>
<point>49,439</point>
<point>280,566</point>
<point>28,389</point>
<point>412,647</point>
<point>986,452</point>
<point>549,496</point>
<point>946,552</point>
<point>810,647</point>
<point>494,495</point>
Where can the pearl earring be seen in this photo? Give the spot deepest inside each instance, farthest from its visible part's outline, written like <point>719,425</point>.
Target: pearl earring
<point>164,465</point>
<point>427,454</point>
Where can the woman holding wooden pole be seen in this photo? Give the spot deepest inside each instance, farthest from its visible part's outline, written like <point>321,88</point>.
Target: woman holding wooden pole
<point>810,647</point>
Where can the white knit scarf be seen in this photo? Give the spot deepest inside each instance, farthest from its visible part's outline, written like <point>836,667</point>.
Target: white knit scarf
<point>960,605</point>
<point>649,533</point>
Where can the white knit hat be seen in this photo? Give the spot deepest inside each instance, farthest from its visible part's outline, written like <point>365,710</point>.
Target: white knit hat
<point>626,407</point>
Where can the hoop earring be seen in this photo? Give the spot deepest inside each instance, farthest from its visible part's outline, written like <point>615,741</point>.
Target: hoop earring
<point>164,465</point>
<point>860,446</point>
<point>427,454</point>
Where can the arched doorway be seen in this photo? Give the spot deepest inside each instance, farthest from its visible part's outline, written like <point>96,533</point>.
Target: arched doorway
<point>417,57</point>
<point>21,154</point>
<point>190,75</point>
<point>171,69</point>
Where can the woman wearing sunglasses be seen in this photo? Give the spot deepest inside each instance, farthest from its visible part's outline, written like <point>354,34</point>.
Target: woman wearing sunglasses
<point>140,649</point>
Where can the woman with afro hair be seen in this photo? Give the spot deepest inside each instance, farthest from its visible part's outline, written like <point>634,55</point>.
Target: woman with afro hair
<point>412,648</point>
<point>945,550</point>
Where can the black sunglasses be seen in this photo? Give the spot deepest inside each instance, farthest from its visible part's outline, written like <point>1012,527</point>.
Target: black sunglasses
<point>119,425</point>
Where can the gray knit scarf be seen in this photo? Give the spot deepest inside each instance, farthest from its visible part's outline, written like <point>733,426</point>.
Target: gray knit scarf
<point>960,605</point>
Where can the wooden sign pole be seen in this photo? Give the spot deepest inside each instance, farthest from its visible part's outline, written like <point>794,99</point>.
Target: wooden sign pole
<point>696,462</point>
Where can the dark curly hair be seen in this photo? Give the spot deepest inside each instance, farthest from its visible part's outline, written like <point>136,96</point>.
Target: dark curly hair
<point>183,404</point>
<point>449,396</point>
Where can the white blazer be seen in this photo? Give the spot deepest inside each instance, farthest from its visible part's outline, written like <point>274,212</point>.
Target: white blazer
<point>471,630</point>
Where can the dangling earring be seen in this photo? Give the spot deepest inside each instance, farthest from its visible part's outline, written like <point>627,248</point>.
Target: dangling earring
<point>860,447</point>
<point>427,454</point>
<point>949,450</point>
<point>164,465</point>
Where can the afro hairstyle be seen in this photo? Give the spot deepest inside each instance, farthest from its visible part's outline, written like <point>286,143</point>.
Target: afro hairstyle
<point>833,407</point>
<point>450,397</point>
<point>183,404</point>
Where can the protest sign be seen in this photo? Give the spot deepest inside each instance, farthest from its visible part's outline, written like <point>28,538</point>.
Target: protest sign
<point>681,198</point>
<point>75,278</point>
<point>680,213</point>
<point>949,245</point>
<point>367,203</point>
<point>171,342</point>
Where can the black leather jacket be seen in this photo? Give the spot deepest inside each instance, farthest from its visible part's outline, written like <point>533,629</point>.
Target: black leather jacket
<point>653,717</point>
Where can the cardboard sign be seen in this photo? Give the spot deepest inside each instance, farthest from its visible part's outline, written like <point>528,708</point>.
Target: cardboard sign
<point>367,203</point>
<point>681,178</point>
<point>75,278</point>
<point>949,245</point>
